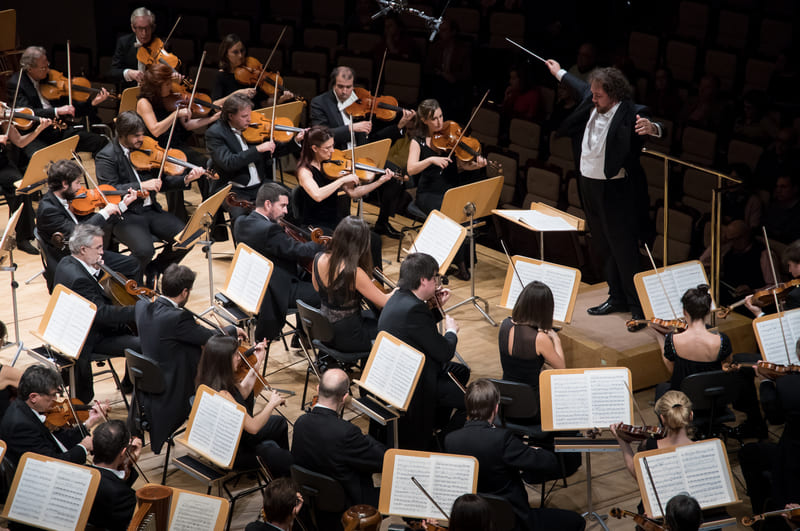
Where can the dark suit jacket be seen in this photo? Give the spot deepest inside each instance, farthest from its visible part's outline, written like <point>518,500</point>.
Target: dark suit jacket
<point>409,319</point>
<point>28,97</point>
<point>174,341</point>
<point>230,161</point>
<point>326,444</point>
<point>114,168</point>
<point>51,218</point>
<point>124,58</point>
<point>270,240</point>
<point>501,456</point>
<point>115,501</point>
<point>324,111</point>
<point>261,526</point>
<point>23,432</point>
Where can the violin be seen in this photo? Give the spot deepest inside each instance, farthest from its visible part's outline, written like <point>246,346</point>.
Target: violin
<point>260,129</point>
<point>248,355</point>
<point>763,297</point>
<point>451,136</point>
<point>386,107</point>
<point>646,523</point>
<point>766,368</point>
<point>23,118</point>
<point>314,234</point>
<point>676,325</point>
<point>250,72</point>
<point>641,433</point>
<point>87,200</point>
<point>57,86</point>
<point>150,154</point>
<point>60,413</point>
<point>340,164</point>
<point>233,200</point>
<point>154,53</point>
<point>793,514</point>
<point>202,104</point>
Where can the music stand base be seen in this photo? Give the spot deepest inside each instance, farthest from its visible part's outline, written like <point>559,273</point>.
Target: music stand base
<point>474,300</point>
<point>600,519</point>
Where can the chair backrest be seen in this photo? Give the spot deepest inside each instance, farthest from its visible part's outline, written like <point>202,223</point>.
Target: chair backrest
<point>325,493</point>
<point>710,389</point>
<point>517,400</point>
<point>49,259</point>
<point>145,374</point>
<point>315,324</point>
<point>503,516</point>
<point>127,102</point>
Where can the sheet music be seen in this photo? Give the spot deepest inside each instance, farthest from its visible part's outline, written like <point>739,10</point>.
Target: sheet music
<point>596,398</point>
<point>12,222</point>
<point>451,476</point>
<point>444,477</point>
<point>438,237</point>
<point>668,476</point>
<point>250,274</point>
<point>195,513</point>
<point>51,494</point>
<point>676,279</point>
<point>769,332</point>
<point>560,280</point>
<point>69,324</point>
<point>216,428</point>
<point>539,220</point>
<point>392,372</point>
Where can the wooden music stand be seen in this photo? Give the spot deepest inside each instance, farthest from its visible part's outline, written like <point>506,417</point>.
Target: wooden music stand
<point>36,175</point>
<point>465,204</point>
<point>563,281</point>
<point>777,335</point>
<point>7,244</point>
<point>542,218</point>
<point>187,510</point>
<point>677,278</point>
<point>441,238</point>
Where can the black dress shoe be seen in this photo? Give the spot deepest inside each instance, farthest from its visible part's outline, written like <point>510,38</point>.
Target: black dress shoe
<point>386,229</point>
<point>606,308</point>
<point>27,247</point>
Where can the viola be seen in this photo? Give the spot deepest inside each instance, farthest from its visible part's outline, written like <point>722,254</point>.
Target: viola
<point>60,413</point>
<point>260,128</point>
<point>233,200</point>
<point>314,234</point>
<point>250,72</point>
<point>23,118</point>
<point>87,200</point>
<point>641,433</point>
<point>793,514</point>
<point>154,53</point>
<point>646,523</point>
<point>340,164</point>
<point>57,86</point>
<point>766,368</point>
<point>202,104</point>
<point>386,107</point>
<point>150,154</point>
<point>249,358</point>
<point>763,297</point>
<point>450,136</point>
<point>677,325</point>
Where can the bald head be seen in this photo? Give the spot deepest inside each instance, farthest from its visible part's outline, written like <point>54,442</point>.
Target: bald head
<point>333,387</point>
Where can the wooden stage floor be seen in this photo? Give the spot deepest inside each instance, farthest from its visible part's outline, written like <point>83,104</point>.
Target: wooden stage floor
<point>612,486</point>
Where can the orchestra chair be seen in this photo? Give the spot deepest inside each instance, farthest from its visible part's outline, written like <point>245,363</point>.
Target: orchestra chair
<point>319,332</point>
<point>103,359</point>
<point>503,516</point>
<point>518,402</point>
<point>7,470</point>
<point>417,218</point>
<point>711,393</point>
<point>127,101</point>
<point>323,496</point>
<point>49,259</point>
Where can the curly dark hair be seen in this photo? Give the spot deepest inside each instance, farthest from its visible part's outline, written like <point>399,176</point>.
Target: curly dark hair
<point>613,81</point>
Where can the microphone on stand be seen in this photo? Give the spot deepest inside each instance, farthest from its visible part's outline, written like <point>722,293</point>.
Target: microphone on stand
<point>435,28</point>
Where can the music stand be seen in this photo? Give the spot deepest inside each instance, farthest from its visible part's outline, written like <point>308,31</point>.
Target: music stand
<point>464,204</point>
<point>9,243</point>
<point>293,111</point>
<point>202,221</point>
<point>35,174</point>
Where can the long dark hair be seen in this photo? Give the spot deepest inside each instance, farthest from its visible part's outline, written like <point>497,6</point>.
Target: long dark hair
<point>315,136</point>
<point>471,513</point>
<point>534,306</point>
<point>154,77</point>
<point>229,41</point>
<point>216,364</point>
<point>349,250</point>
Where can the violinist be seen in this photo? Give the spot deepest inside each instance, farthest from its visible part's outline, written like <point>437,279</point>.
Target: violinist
<point>437,173</point>
<point>244,166</point>
<point>125,68</point>
<point>282,504</point>
<point>527,340</point>
<point>408,317</point>
<point>145,218</point>
<point>10,173</point>
<point>108,335</point>
<point>173,341</point>
<point>262,231</point>
<point>23,429</point>
<point>113,449</point>
<point>34,71</point>
<point>265,435</point>
<point>233,55</point>
<point>341,276</point>
<point>54,215</point>
<point>791,257</point>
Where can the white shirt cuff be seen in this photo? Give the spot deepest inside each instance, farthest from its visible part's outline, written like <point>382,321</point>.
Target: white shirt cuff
<point>127,74</point>
<point>451,330</point>
<point>104,214</point>
<point>560,74</point>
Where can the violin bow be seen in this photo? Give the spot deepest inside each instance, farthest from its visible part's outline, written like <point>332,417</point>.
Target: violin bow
<point>427,495</point>
<point>464,131</point>
<point>128,454</point>
<point>165,41</point>
<point>635,405</point>
<point>661,282</point>
<point>377,86</point>
<point>513,266</point>
<point>13,109</point>
<point>263,382</point>
<point>274,107</point>
<point>69,76</point>
<point>266,63</point>
<point>775,295</point>
<point>81,427</point>
<point>653,484</point>
<point>171,131</point>
<point>86,174</point>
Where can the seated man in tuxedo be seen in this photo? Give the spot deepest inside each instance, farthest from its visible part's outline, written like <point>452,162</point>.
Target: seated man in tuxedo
<point>174,342</point>
<point>115,501</point>
<point>282,504</point>
<point>325,443</point>
<point>34,72</point>
<point>109,334</point>
<point>501,456</point>
<point>407,317</point>
<point>261,230</point>
<point>328,109</point>
<point>145,218</point>
<point>126,70</point>
<point>23,429</point>
<point>54,216</point>
<point>244,166</point>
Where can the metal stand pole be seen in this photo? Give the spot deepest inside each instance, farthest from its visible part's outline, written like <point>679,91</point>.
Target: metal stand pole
<point>12,268</point>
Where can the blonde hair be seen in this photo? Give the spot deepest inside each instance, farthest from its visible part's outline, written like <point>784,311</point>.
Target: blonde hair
<point>675,410</point>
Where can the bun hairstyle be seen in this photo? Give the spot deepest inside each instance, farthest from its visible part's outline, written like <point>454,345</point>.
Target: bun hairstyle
<point>697,302</point>
<point>675,410</point>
